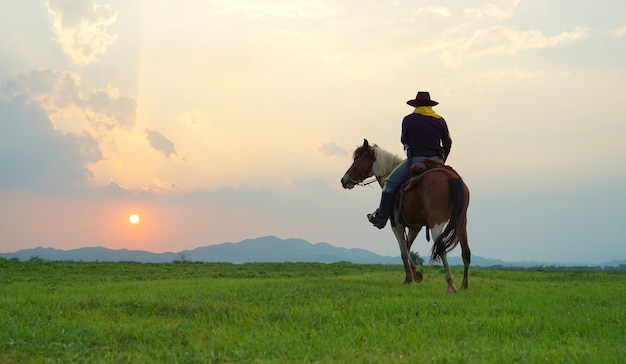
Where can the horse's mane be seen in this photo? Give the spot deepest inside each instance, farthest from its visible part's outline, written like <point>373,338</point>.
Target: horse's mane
<point>387,160</point>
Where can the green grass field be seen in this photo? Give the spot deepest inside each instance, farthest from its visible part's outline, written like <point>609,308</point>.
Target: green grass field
<point>300,312</point>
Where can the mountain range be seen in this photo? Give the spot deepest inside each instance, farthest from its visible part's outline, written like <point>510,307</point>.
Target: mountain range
<point>264,249</point>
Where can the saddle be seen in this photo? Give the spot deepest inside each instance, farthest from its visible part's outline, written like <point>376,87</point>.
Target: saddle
<point>418,170</point>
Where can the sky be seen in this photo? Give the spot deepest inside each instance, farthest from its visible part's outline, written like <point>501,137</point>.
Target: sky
<point>223,120</point>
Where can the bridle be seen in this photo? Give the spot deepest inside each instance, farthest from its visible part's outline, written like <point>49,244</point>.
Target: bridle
<point>363,181</point>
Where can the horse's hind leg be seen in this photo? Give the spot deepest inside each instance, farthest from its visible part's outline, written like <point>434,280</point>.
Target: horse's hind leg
<point>449,275</point>
<point>466,254</point>
<point>437,230</point>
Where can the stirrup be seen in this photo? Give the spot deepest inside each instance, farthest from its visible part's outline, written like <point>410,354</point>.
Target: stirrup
<point>373,218</point>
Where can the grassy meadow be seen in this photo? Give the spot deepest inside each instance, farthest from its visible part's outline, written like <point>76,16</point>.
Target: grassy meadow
<point>304,312</point>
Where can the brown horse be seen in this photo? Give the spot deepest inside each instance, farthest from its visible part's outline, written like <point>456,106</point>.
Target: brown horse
<point>435,196</point>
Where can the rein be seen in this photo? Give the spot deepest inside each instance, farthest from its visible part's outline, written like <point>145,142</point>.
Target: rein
<point>374,179</point>
<point>365,183</point>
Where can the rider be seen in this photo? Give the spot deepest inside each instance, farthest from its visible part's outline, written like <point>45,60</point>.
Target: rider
<point>424,135</point>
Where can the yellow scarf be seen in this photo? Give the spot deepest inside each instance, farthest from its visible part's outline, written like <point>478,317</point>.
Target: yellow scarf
<point>426,111</point>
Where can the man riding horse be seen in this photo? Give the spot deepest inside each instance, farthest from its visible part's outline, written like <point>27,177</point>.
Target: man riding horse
<point>424,135</point>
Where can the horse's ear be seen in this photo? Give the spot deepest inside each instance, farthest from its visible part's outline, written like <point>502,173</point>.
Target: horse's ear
<point>366,144</point>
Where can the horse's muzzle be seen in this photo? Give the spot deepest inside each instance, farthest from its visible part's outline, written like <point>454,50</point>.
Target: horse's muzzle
<point>347,182</point>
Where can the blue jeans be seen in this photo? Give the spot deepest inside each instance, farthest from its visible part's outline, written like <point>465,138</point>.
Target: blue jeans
<point>402,173</point>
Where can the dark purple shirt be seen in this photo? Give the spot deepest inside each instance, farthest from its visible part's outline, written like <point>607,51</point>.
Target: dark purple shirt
<point>426,136</point>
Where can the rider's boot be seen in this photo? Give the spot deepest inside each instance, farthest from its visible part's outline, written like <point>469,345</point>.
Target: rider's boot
<point>381,215</point>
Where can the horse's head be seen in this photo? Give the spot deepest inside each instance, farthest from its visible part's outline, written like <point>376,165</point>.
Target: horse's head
<point>362,166</point>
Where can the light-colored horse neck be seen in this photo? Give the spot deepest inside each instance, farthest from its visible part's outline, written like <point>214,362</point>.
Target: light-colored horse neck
<point>384,164</point>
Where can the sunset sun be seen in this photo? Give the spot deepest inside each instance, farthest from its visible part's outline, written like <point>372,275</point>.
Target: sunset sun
<point>134,219</point>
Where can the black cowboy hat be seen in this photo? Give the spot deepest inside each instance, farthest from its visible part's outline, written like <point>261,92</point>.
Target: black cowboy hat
<point>422,99</point>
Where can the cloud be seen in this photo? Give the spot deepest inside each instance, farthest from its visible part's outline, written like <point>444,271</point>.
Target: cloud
<point>60,94</point>
<point>511,74</point>
<point>160,185</point>
<point>491,10</point>
<point>113,189</point>
<point>48,88</point>
<point>111,109</point>
<point>80,28</point>
<point>504,40</point>
<point>331,149</point>
<point>33,154</point>
<point>297,9</point>
<point>101,115</point>
<point>160,143</point>
<point>619,32</point>
<point>437,10</point>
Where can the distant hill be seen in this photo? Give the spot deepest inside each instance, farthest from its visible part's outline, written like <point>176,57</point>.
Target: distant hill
<point>92,254</point>
<point>273,249</point>
<point>264,249</point>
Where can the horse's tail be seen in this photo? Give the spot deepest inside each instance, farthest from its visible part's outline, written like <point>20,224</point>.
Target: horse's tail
<point>449,238</point>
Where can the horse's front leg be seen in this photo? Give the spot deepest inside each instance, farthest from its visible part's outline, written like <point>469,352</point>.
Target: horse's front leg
<point>409,267</point>
<point>449,275</point>
<point>412,234</point>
